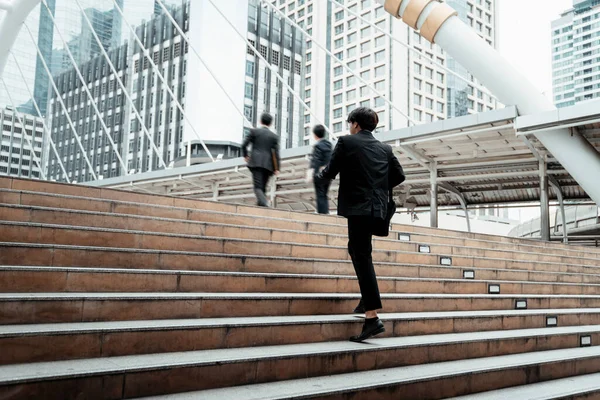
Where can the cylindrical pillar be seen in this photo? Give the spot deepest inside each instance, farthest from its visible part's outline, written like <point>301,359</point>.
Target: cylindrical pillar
<point>434,197</point>
<point>544,203</point>
<point>439,23</point>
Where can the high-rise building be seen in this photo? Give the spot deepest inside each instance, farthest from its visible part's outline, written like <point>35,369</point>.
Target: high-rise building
<point>213,116</point>
<point>575,48</point>
<point>16,156</point>
<point>416,87</point>
<point>282,45</point>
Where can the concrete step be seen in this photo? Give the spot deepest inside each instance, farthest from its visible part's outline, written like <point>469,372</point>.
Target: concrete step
<point>36,308</point>
<point>293,221</point>
<point>102,237</point>
<point>572,388</point>
<point>60,279</point>
<point>28,254</point>
<point>132,222</point>
<point>166,373</point>
<point>52,342</point>
<point>420,382</point>
<point>64,190</point>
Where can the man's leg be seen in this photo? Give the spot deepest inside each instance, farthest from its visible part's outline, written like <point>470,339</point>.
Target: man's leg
<point>259,185</point>
<point>266,176</point>
<point>321,187</point>
<point>360,249</point>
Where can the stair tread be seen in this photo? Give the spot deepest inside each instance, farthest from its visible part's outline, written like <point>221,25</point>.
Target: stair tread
<point>112,326</point>
<point>396,228</point>
<point>285,258</point>
<point>60,369</point>
<point>540,250</point>
<point>307,387</point>
<point>258,295</point>
<point>271,275</point>
<point>258,242</point>
<point>555,389</point>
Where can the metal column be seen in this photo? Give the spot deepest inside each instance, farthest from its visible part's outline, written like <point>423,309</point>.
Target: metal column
<point>554,182</point>
<point>544,203</point>
<point>434,196</point>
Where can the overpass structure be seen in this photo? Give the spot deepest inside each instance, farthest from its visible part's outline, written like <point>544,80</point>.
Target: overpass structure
<point>487,158</point>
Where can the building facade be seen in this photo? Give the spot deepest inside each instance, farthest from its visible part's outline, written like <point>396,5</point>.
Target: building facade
<point>416,87</point>
<point>282,45</point>
<point>17,158</point>
<point>168,130</point>
<point>109,98</point>
<point>576,54</point>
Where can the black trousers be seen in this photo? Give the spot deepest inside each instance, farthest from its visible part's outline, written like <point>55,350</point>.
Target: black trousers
<point>260,177</point>
<point>321,189</point>
<point>360,235</point>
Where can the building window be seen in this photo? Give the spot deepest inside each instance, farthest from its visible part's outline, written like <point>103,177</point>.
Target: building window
<point>250,68</point>
<point>249,91</point>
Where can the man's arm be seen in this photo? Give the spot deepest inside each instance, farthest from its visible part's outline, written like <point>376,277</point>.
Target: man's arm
<point>396,172</point>
<point>337,157</point>
<point>317,158</point>
<point>277,156</point>
<point>249,139</point>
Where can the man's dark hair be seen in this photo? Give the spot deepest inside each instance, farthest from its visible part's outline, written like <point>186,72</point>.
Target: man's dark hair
<point>366,118</point>
<point>266,119</point>
<point>319,131</point>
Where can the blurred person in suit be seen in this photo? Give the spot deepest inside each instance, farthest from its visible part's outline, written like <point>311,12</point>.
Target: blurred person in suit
<point>320,158</point>
<point>264,159</point>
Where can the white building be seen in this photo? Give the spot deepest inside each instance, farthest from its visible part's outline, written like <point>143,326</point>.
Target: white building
<point>575,49</point>
<point>418,88</point>
<point>16,156</point>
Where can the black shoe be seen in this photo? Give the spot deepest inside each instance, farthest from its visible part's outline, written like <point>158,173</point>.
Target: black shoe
<point>370,328</point>
<point>360,308</point>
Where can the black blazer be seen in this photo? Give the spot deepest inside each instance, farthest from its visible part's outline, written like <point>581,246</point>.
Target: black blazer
<point>321,155</point>
<point>368,170</point>
<point>264,144</point>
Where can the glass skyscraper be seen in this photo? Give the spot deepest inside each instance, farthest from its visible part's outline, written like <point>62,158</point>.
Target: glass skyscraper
<point>107,23</point>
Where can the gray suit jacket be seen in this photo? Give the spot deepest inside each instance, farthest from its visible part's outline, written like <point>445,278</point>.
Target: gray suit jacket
<point>265,147</point>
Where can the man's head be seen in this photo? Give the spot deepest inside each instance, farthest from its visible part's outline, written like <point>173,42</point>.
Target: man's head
<point>362,119</point>
<point>319,132</point>
<point>266,119</point>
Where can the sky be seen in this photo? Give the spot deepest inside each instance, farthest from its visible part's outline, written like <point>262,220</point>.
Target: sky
<point>525,31</point>
<point>524,39</point>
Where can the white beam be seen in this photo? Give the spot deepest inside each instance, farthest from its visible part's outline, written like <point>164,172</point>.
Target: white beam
<point>16,13</point>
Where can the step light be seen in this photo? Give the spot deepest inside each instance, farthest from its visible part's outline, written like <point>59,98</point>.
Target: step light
<point>585,341</point>
<point>493,289</point>
<point>424,249</point>
<point>551,321</point>
<point>521,304</point>
<point>469,274</point>
<point>446,261</point>
<point>404,237</point>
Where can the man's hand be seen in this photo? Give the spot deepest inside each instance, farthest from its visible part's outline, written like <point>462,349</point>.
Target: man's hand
<point>276,173</point>
<point>247,159</point>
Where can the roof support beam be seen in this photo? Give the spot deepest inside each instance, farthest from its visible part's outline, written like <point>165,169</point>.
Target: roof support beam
<point>461,199</point>
<point>557,189</point>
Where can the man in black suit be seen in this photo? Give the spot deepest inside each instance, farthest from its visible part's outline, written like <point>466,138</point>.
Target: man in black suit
<point>264,160</point>
<point>368,171</point>
<point>319,160</point>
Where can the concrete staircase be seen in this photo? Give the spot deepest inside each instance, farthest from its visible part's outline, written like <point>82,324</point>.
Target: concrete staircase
<point>108,295</point>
